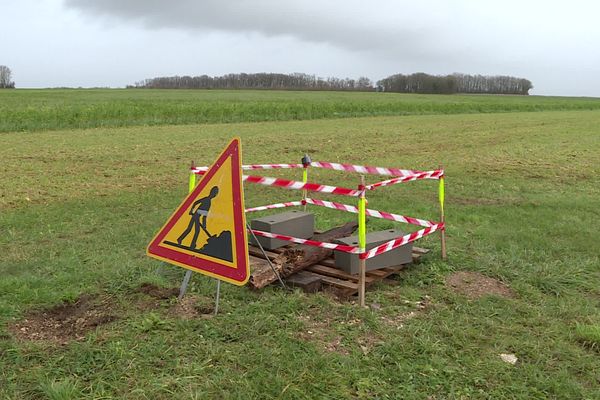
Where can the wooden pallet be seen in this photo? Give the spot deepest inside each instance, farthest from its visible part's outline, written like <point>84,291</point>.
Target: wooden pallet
<point>326,276</point>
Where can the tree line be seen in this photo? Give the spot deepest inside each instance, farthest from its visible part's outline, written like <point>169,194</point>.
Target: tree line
<point>6,78</point>
<point>455,83</point>
<point>296,81</point>
<point>413,83</point>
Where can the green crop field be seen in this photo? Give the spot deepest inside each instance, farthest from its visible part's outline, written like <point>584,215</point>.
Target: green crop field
<point>34,110</point>
<point>84,313</point>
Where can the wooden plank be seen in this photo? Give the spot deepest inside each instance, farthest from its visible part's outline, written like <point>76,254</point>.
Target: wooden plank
<point>420,250</point>
<point>395,268</point>
<point>257,253</point>
<point>330,262</point>
<point>337,282</point>
<point>379,273</point>
<point>278,250</point>
<point>256,249</point>
<point>255,262</point>
<point>335,273</point>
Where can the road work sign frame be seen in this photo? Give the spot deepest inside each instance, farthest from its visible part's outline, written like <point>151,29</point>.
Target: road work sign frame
<point>216,204</point>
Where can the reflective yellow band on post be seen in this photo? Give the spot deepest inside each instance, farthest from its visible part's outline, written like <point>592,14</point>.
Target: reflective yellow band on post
<point>362,223</point>
<point>192,183</point>
<point>441,194</point>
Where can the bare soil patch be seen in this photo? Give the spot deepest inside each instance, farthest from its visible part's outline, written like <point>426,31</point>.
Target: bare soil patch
<point>192,306</point>
<point>475,285</point>
<point>65,322</point>
<point>158,292</point>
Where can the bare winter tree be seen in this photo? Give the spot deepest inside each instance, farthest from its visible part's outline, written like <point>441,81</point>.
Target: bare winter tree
<point>6,78</point>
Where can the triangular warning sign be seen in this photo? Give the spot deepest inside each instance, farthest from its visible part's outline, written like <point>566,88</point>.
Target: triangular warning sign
<point>207,232</point>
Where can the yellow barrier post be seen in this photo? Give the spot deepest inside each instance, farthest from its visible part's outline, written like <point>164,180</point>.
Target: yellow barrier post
<point>362,241</point>
<point>188,273</point>
<point>442,217</point>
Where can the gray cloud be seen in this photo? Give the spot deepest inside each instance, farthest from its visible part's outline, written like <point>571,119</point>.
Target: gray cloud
<point>383,27</point>
<point>116,42</point>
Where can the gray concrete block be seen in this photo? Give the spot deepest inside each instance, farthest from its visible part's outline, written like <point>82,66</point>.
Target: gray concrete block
<point>298,224</point>
<point>349,262</point>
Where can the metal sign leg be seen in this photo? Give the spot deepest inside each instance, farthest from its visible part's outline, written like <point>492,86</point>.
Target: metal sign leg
<point>184,285</point>
<point>217,296</point>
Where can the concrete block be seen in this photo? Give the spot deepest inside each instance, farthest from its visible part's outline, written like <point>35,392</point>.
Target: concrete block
<point>349,262</point>
<point>298,224</point>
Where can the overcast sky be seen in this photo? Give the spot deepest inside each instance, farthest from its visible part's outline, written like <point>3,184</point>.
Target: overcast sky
<point>49,43</point>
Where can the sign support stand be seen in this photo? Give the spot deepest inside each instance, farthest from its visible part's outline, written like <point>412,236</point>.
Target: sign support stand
<point>184,285</point>
<point>217,296</point>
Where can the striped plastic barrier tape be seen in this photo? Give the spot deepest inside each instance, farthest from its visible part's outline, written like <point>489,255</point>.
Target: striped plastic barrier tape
<point>392,244</point>
<point>332,246</point>
<point>277,205</point>
<point>371,213</point>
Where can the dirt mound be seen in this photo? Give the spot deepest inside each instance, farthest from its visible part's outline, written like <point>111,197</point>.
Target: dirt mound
<point>191,307</point>
<point>158,292</point>
<point>475,285</point>
<point>65,322</point>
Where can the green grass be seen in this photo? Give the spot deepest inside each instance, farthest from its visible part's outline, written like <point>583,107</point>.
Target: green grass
<point>32,110</point>
<point>589,335</point>
<point>78,207</point>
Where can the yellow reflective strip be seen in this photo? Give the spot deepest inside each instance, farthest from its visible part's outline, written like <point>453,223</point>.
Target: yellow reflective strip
<point>192,182</point>
<point>441,194</point>
<point>362,223</point>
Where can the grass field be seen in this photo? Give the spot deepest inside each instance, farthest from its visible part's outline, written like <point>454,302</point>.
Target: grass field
<point>78,207</point>
<point>34,110</point>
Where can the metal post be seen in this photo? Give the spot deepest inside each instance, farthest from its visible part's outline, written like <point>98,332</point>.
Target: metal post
<point>442,217</point>
<point>217,296</point>
<point>184,284</point>
<point>305,164</point>
<point>362,242</point>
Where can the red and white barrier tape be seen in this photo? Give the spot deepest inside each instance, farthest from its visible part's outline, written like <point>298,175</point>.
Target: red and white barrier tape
<point>371,213</point>
<point>364,169</point>
<point>331,204</point>
<point>401,173</point>
<point>400,218</point>
<point>313,187</point>
<point>332,246</point>
<point>285,183</point>
<point>201,170</point>
<point>278,205</point>
<point>437,174</point>
<point>392,244</point>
